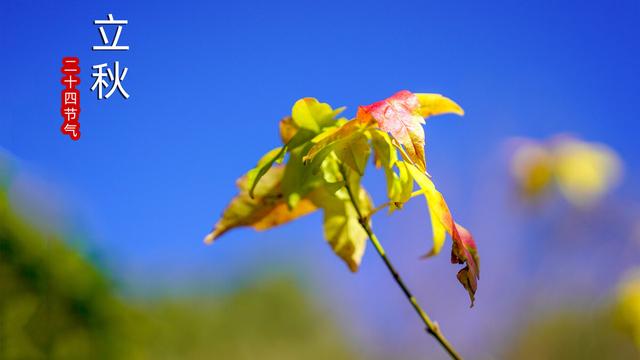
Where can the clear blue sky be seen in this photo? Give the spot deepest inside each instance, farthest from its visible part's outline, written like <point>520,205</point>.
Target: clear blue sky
<point>209,81</point>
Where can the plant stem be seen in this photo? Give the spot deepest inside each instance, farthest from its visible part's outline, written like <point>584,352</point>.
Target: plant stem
<point>389,203</point>
<point>432,327</point>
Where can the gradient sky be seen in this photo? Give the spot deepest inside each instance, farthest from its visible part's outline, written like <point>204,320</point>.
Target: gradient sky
<point>209,81</point>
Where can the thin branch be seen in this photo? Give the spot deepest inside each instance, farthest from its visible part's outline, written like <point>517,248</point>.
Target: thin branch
<point>390,203</point>
<point>432,327</point>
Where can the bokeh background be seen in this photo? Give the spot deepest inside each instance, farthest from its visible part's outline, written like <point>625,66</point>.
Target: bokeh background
<point>101,249</point>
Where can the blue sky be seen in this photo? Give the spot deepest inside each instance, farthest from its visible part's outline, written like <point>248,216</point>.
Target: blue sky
<point>209,81</point>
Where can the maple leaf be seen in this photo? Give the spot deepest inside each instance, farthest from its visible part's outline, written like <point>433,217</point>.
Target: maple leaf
<point>264,164</point>
<point>308,117</point>
<point>287,129</point>
<point>269,208</point>
<point>343,132</point>
<point>342,227</point>
<point>436,104</point>
<point>266,209</point>
<point>464,248</point>
<point>326,159</point>
<point>398,115</point>
<point>308,113</point>
<point>402,115</point>
<point>399,185</point>
<point>325,162</point>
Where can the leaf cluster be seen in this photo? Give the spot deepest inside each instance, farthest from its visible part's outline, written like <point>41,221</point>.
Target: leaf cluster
<point>320,166</point>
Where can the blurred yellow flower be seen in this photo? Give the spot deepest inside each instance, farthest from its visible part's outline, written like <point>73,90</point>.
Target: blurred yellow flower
<point>532,167</point>
<point>582,171</point>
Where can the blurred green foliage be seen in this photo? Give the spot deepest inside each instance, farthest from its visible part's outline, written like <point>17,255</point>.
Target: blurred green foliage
<point>269,320</point>
<point>54,304</point>
<point>572,333</point>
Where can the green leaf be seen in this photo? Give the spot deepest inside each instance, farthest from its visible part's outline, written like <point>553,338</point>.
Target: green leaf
<point>441,220</point>
<point>399,185</point>
<point>343,232</point>
<point>348,142</point>
<point>386,157</point>
<point>326,161</point>
<point>331,170</point>
<point>292,135</point>
<point>385,154</point>
<point>265,210</point>
<point>298,179</point>
<point>330,137</point>
<point>264,164</point>
<point>354,152</point>
<point>310,114</point>
<point>342,227</point>
<point>302,137</point>
<point>406,183</point>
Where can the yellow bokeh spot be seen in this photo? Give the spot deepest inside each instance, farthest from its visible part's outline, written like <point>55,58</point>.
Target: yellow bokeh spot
<point>583,172</point>
<point>627,306</point>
